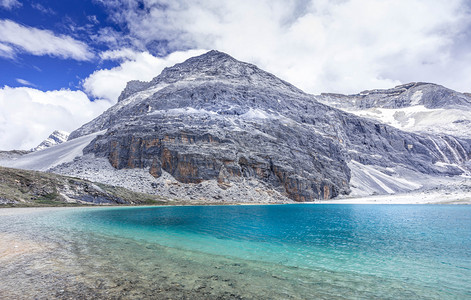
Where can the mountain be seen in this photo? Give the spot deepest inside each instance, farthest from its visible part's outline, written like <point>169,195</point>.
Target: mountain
<point>216,128</point>
<point>415,107</point>
<point>57,137</point>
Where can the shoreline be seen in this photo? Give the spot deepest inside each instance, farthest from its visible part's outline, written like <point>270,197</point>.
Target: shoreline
<point>398,199</point>
<point>416,198</point>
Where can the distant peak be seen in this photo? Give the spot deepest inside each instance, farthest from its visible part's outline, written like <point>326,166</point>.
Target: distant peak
<point>55,138</point>
<point>401,87</point>
<point>413,84</point>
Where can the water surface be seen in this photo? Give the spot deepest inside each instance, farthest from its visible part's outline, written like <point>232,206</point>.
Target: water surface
<point>252,252</point>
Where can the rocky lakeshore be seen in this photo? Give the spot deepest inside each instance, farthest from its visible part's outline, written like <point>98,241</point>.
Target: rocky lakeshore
<point>100,267</point>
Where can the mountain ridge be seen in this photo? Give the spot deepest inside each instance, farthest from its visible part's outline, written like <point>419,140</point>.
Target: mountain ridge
<point>414,93</point>
<point>222,129</point>
<point>415,107</point>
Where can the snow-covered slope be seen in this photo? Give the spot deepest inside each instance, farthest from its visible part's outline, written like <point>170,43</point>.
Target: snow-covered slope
<point>56,138</point>
<point>52,156</point>
<point>414,107</point>
<point>418,118</point>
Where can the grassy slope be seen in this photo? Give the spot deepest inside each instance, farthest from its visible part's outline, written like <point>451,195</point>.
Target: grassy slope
<point>32,188</point>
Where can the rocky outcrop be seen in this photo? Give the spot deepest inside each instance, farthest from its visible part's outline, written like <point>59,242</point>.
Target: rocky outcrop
<point>216,118</point>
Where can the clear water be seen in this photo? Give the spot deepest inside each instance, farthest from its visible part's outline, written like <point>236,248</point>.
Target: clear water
<point>253,252</point>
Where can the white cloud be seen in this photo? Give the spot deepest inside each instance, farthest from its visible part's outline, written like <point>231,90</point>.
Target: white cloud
<point>24,82</point>
<point>93,19</point>
<point>43,9</point>
<point>6,51</point>
<point>42,42</point>
<point>29,115</point>
<point>9,4</point>
<point>322,45</point>
<point>108,83</point>
<point>120,54</point>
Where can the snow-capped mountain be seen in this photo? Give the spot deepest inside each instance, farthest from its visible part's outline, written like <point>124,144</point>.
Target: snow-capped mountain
<point>56,138</point>
<point>216,128</point>
<point>414,107</point>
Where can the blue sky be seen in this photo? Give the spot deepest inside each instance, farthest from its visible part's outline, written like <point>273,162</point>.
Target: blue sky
<point>73,18</point>
<point>64,62</point>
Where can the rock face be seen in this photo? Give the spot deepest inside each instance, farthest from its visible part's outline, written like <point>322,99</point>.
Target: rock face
<point>57,137</point>
<point>215,118</point>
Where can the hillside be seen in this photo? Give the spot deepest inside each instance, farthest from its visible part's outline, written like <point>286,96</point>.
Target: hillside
<point>33,188</point>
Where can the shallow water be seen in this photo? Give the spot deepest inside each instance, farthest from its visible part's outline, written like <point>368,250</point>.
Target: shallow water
<point>250,252</point>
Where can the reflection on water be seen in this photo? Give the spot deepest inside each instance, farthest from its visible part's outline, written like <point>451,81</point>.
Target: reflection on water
<point>250,252</point>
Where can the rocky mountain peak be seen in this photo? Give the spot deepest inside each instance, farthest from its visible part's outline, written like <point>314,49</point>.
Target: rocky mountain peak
<point>213,66</point>
<point>210,64</point>
<point>55,138</point>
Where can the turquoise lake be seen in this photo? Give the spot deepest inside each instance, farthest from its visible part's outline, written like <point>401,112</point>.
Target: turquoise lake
<point>298,251</point>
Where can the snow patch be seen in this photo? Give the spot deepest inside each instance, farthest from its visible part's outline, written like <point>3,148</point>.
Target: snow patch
<point>183,111</point>
<point>52,156</point>
<point>416,97</point>
<point>139,96</point>
<point>257,114</point>
<point>418,118</point>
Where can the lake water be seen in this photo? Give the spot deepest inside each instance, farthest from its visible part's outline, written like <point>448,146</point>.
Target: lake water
<point>250,252</point>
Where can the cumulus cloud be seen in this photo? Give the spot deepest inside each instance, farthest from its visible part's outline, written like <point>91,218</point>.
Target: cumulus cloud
<point>322,45</point>
<point>29,115</point>
<point>9,4</point>
<point>40,42</point>
<point>108,83</point>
